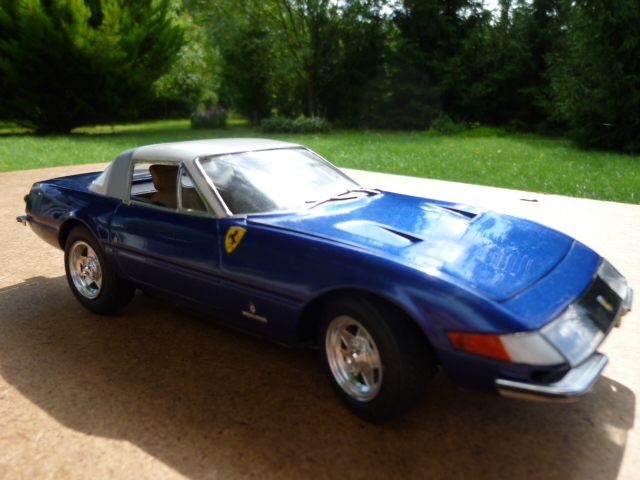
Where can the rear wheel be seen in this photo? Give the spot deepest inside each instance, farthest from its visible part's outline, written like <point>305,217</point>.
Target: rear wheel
<point>377,361</point>
<point>90,276</point>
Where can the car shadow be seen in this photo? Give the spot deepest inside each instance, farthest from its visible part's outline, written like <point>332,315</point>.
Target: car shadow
<point>204,398</point>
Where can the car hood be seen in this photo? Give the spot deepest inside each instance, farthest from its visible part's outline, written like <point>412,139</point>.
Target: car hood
<point>497,254</point>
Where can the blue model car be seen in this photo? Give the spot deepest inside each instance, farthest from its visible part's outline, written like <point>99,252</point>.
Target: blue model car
<point>269,237</point>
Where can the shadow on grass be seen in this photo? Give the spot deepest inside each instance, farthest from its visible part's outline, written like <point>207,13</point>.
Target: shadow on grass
<point>201,399</point>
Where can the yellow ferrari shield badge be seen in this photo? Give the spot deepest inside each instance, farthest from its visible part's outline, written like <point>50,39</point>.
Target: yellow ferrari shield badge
<point>233,238</point>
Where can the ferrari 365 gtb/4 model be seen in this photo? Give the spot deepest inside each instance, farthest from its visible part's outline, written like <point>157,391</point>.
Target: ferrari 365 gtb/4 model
<point>269,237</point>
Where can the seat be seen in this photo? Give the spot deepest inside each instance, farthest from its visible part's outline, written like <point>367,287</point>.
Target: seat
<point>165,181</point>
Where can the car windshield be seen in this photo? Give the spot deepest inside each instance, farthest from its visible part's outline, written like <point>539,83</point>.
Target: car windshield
<point>274,180</point>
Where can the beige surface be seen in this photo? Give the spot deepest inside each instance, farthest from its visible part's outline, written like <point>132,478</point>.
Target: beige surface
<point>158,393</point>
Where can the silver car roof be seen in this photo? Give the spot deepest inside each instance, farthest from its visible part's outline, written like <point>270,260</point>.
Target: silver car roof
<point>114,181</point>
<point>190,150</point>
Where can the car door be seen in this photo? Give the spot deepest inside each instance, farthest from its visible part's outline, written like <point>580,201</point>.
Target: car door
<point>168,244</point>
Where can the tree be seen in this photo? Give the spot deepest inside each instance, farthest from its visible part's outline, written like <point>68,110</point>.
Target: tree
<point>503,65</point>
<point>69,63</point>
<point>424,72</point>
<point>288,55</point>
<point>362,36</point>
<point>596,75</point>
<point>192,83</point>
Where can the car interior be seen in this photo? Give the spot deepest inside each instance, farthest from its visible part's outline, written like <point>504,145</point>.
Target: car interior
<point>158,185</point>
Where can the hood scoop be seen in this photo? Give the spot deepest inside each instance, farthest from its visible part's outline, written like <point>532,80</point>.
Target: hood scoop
<point>379,234</point>
<point>457,211</point>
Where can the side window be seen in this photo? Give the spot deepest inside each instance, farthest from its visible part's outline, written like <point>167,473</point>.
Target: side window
<point>155,184</point>
<point>189,197</point>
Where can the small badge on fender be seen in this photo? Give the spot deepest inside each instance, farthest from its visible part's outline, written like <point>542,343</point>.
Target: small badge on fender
<point>233,238</point>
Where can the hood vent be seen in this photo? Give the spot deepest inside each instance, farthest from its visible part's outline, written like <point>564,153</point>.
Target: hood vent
<point>462,213</point>
<point>405,235</point>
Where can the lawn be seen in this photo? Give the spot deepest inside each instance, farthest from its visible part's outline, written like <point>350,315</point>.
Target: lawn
<point>523,162</point>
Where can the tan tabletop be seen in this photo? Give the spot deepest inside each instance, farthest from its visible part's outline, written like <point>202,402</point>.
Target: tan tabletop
<point>156,392</point>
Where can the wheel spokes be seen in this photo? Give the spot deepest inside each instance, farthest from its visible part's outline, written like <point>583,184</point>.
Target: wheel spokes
<point>354,358</point>
<point>85,270</point>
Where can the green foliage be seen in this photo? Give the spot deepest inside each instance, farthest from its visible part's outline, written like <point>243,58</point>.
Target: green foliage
<point>516,86</point>
<point>533,65</point>
<point>427,65</point>
<point>211,119</point>
<point>246,71</point>
<point>483,132</point>
<point>596,76</point>
<point>401,97</point>
<point>444,125</point>
<point>68,63</point>
<point>295,57</point>
<point>300,125</point>
<point>434,36</point>
<point>362,35</point>
<point>193,80</point>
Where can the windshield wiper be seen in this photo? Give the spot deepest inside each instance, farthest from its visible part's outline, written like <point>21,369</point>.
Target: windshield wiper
<point>341,196</point>
<point>332,198</point>
<point>370,191</point>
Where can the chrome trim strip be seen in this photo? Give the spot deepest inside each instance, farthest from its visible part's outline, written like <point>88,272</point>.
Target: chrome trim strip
<point>577,382</point>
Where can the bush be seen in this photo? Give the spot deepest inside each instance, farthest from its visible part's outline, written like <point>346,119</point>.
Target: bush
<point>278,125</point>
<point>216,118</point>
<point>484,132</point>
<point>312,125</point>
<point>445,126</point>
<point>301,125</point>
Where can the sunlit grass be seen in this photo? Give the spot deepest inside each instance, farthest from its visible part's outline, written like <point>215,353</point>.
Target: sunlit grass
<point>523,162</point>
<point>516,162</point>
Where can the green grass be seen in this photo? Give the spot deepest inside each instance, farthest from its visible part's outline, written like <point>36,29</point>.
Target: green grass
<point>523,162</point>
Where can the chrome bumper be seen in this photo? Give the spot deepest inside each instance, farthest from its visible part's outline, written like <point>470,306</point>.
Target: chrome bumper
<point>23,220</point>
<point>574,384</point>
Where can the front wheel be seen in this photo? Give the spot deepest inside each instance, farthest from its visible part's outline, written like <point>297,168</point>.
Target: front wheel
<point>91,277</point>
<point>377,360</point>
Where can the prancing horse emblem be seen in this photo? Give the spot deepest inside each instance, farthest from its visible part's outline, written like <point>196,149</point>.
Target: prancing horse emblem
<point>233,238</point>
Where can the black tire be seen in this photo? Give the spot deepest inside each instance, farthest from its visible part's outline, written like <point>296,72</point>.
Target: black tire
<point>91,277</point>
<point>378,362</point>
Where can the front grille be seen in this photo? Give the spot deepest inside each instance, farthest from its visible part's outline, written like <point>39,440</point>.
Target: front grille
<point>580,329</point>
<point>600,304</point>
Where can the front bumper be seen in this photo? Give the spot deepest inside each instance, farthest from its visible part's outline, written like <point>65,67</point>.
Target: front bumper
<point>577,382</point>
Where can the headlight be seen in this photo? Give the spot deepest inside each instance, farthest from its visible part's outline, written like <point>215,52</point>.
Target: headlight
<point>572,336</point>
<point>579,330</point>
<point>612,277</point>
<point>574,333</point>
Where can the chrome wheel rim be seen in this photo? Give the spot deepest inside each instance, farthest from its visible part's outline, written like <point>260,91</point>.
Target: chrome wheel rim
<point>85,270</point>
<point>354,358</point>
